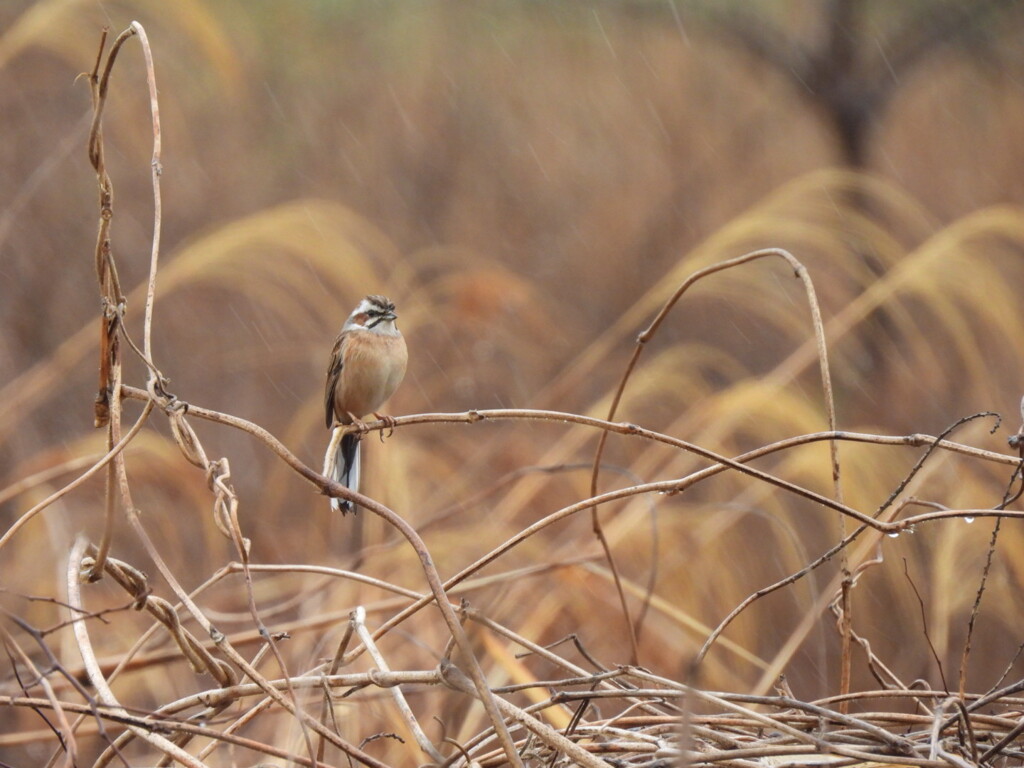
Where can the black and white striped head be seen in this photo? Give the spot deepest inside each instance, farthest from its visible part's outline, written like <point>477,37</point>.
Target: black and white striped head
<point>374,313</point>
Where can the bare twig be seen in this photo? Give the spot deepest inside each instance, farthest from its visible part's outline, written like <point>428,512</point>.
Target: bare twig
<point>924,626</point>
<point>157,170</point>
<point>458,681</point>
<point>63,729</point>
<point>359,622</point>
<point>99,682</point>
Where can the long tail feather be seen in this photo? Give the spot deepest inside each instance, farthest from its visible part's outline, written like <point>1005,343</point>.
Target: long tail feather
<point>346,470</point>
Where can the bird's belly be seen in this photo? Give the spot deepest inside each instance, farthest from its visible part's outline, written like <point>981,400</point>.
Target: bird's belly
<point>370,378</point>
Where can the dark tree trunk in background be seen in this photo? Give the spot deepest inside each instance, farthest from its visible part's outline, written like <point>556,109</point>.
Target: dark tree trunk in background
<point>850,76</point>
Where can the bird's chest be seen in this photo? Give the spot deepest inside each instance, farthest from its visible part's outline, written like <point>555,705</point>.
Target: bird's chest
<point>373,367</point>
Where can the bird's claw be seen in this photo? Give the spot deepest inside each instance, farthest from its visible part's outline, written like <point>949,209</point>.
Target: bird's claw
<point>357,424</point>
<point>389,424</point>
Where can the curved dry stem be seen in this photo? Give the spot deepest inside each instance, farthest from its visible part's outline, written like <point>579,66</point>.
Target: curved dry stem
<point>99,682</point>
<point>101,84</point>
<point>646,335</point>
<point>157,170</point>
<point>106,270</point>
<point>358,622</point>
<point>116,473</point>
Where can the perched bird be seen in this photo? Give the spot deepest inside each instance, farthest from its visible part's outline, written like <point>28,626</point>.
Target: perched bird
<point>367,364</point>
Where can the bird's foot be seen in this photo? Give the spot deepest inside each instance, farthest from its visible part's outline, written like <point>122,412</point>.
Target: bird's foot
<point>359,426</point>
<point>389,424</point>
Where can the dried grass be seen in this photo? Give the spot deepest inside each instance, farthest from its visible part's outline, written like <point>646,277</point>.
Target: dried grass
<point>266,627</point>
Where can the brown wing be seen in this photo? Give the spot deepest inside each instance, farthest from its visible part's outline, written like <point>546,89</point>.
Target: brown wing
<point>333,375</point>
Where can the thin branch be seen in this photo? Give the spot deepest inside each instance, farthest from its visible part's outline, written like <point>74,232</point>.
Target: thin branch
<point>924,625</point>
<point>552,738</point>
<point>99,682</point>
<point>358,621</point>
<point>157,170</point>
<point>64,732</point>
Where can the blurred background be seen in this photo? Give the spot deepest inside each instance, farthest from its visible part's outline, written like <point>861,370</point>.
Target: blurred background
<point>530,181</point>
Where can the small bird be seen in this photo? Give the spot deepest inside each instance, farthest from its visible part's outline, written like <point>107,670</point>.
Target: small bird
<point>367,365</point>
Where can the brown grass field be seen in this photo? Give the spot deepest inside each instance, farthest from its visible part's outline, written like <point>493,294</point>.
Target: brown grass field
<point>709,451</point>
